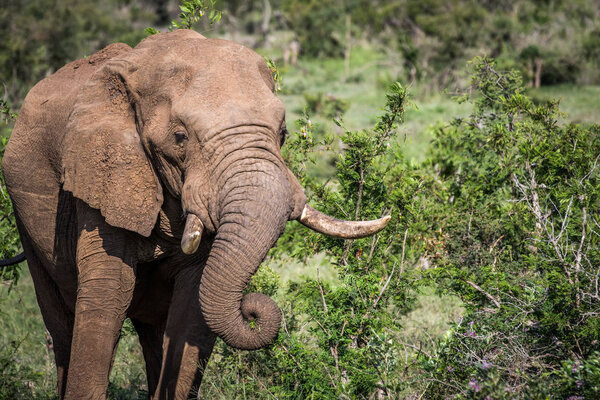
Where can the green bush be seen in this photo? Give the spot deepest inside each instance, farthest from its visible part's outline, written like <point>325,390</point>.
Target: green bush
<point>17,381</point>
<point>516,199</point>
<point>328,105</point>
<point>9,238</point>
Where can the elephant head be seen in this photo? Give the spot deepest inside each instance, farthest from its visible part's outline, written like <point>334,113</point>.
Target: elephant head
<point>198,118</point>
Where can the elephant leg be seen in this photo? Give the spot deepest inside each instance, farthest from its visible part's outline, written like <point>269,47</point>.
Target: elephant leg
<point>57,316</point>
<point>151,339</point>
<point>106,279</point>
<point>188,342</point>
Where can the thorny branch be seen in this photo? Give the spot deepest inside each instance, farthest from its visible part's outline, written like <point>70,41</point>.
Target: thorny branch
<point>486,294</point>
<point>383,289</point>
<point>570,254</point>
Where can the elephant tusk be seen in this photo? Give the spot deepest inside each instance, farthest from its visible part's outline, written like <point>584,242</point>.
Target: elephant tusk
<point>191,234</point>
<point>334,227</point>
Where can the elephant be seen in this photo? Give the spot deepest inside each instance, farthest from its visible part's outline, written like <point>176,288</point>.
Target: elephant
<point>148,183</point>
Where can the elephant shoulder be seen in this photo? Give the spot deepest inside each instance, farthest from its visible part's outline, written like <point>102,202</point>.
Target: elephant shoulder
<point>64,84</point>
<point>97,59</point>
<point>67,81</point>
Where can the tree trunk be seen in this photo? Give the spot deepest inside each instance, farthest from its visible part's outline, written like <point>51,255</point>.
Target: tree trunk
<point>266,20</point>
<point>348,46</point>
<point>538,72</point>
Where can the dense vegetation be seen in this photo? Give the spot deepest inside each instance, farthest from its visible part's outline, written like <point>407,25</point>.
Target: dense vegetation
<point>549,41</point>
<point>499,217</point>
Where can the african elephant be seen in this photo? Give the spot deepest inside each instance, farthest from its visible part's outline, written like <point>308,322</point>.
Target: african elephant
<point>148,183</point>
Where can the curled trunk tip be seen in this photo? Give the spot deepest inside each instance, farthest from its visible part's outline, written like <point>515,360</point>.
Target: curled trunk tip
<point>256,323</point>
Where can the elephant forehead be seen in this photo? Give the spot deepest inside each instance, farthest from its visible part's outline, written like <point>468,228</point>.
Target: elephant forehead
<point>213,82</point>
<point>219,52</point>
<point>230,68</point>
<point>213,65</point>
<point>206,58</point>
<point>211,114</point>
<point>231,96</point>
<point>231,90</point>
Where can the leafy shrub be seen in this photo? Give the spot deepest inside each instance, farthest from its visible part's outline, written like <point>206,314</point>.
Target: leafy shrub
<point>327,105</point>
<point>591,46</point>
<point>9,238</point>
<point>581,376</point>
<point>557,70</point>
<point>17,381</point>
<point>516,198</point>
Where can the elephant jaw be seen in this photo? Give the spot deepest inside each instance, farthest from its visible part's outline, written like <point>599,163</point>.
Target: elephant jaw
<point>192,234</point>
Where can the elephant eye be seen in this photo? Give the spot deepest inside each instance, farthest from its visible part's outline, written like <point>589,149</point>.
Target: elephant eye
<point>180,137</point>
<point>284,133</point>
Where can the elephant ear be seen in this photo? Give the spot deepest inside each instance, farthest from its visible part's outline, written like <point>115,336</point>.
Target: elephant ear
<point>104,161</point>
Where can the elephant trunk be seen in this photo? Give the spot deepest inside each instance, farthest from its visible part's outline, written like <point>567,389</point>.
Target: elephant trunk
<point>254,211</point>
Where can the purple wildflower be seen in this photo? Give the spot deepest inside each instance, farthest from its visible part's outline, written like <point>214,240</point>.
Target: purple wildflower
<point>474,385</point>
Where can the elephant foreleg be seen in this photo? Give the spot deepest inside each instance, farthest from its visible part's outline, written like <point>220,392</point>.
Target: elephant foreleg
<point>151,339</point>
<point>188,342</point>
<point>106,279</point>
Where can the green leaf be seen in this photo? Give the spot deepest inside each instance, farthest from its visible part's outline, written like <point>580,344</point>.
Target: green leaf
<point>151,31</point>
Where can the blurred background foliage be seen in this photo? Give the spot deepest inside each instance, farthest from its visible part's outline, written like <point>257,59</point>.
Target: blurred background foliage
<point>472,123</point>
<point>549,41</point>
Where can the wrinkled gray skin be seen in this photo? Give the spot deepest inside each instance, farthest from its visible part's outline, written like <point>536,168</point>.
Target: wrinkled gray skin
<point>107,159</point>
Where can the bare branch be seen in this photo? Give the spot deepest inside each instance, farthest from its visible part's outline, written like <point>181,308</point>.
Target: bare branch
<point>322,293</point>
<point>291,356</point>
<point>486,294</point>
<point>583,229</point>
<point>383,289</point>
<point>591,170</point>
